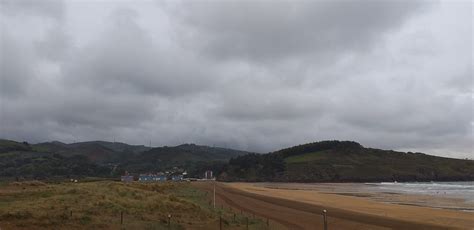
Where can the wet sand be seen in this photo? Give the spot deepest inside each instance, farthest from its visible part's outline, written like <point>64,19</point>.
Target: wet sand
<point>296,208</point>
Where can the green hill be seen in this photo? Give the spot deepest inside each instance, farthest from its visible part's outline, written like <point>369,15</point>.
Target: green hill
<point>345,161</point>
<point>194,158</point>
<point>100,158</point>
<point>21,160</point>
<point>326,161</point>
<point>8,145</point>
<point>96,151</point>
<point>188,152</point>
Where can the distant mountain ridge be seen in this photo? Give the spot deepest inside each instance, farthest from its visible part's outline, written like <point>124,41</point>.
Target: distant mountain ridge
<point>324,161</point>
<point>116,152</point>
<point>43,159</point>
<point>96,151</point>
<point>344,161</point>
<point>22,160</point>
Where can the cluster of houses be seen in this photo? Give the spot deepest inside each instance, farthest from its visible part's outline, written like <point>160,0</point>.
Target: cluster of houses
<point>208,175</point>
<point>153,177</point>
<point>159,177</point>
<point>162,176</point>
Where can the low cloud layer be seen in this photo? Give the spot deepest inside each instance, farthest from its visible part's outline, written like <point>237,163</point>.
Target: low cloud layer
<point>249,75</point>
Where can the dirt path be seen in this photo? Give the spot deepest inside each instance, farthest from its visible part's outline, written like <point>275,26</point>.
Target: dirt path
<point>300,215</point>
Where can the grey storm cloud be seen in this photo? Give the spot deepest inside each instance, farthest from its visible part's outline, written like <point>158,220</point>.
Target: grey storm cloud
<point>125,58</point>
<point>252,75</point>
<point>47,8</point>
<point>285,29</point>
<point>15,61</point>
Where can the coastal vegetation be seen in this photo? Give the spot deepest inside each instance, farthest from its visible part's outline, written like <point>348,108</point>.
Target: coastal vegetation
<point>111,205</point>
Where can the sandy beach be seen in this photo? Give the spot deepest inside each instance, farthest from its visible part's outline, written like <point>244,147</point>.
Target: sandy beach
<point>299,206</point>
<point>375,193</point>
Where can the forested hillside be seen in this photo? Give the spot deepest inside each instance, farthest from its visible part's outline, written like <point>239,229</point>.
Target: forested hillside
<point>194,158</point>
<point>110,159</point>
<point>325,161</point>
<point>20,160</point>
<point>345,161</point>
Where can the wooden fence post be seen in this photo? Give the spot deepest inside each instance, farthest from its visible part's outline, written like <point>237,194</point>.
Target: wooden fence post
<point>169,220</point>
<point>121,217</point>
<point>220,222</point>
<point>325,219</point>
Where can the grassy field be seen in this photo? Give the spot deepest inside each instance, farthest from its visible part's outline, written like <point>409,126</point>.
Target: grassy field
<point>99,204</point>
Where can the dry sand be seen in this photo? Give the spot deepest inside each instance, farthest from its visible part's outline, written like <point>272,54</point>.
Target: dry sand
<point>301,209</point>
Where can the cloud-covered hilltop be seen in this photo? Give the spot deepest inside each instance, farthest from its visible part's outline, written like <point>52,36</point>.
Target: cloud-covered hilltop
<point>240,74</point>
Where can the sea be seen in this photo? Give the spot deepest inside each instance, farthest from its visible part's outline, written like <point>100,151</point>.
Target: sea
<point>464,190</point>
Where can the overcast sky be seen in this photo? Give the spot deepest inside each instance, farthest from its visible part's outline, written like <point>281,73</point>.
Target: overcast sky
<point>251,75</point>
